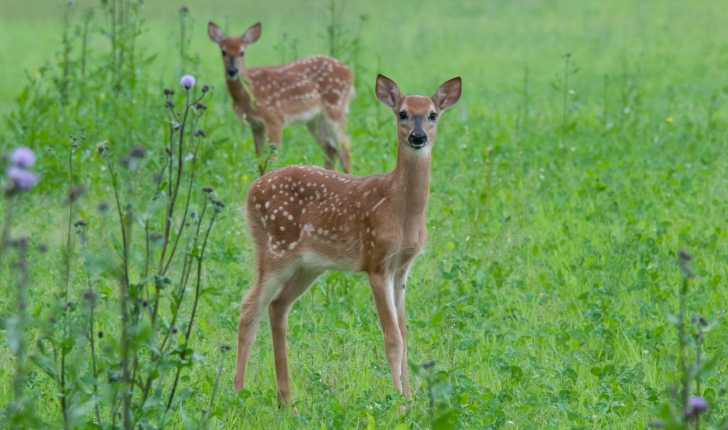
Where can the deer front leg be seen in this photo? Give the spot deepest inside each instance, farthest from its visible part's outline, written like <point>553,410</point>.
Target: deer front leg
<point>252,310</point>
<point>400,285</point>
<point>383,291</point>
<point>258,130</point>
<point>278,314</point>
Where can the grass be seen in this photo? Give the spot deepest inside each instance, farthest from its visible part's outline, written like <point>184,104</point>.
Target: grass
<point>550,270</point>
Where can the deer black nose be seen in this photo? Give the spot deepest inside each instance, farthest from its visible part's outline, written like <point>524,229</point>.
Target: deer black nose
<point>232,71</point>
<point>417,139</point>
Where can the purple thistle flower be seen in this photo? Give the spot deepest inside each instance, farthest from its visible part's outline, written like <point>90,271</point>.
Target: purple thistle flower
<point>698,404</point>
<point>187,81</point>
<point>22,179</point>
<point>22,157</point>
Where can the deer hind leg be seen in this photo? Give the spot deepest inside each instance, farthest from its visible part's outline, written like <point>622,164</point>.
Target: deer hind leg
<point>384,300</point>
<point>278,315</point>
<point>252,309</point>
<point>322,132</point>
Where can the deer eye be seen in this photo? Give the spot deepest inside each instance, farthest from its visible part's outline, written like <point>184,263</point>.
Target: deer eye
<point>241,54</point>
<point>433,116</point>
<point>403,115</point>
<point>224,53</point>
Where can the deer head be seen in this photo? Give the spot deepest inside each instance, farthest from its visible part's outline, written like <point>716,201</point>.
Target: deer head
<point>417,115</point>
<point>233,48</point>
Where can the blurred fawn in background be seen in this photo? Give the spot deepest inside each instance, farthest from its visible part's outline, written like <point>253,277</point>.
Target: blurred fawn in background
<point>313,90</point>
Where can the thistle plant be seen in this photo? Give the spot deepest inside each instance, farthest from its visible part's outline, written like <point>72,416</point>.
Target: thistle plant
<point>19,413</point>
<point>686,407</point>
<point>135,382</point>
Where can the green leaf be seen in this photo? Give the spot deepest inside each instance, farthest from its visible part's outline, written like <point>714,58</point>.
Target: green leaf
<point>45,363</point>
<point>437,318</point>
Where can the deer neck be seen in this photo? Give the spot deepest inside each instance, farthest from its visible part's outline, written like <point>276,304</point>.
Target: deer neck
<point>240,95</point>
<point>411,182</point>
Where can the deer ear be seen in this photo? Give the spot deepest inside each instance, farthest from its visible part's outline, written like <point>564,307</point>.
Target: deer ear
<point>216,34</point>
<point>448,94</point>
<point>388,92</point>
<point>252,34</point>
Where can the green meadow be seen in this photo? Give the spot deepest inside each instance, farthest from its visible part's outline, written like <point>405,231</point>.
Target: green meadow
<point>588,148</point>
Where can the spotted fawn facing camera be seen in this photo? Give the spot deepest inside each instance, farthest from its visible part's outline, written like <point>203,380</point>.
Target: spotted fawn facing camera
<point>312,90</point>
<point>306,220</point>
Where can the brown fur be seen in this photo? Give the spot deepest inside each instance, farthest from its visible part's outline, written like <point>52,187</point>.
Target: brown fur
<point>315,90</point>
<point>306,220</point>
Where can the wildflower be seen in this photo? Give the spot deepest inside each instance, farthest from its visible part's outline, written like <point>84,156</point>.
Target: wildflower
<point>683,259</point>
<point>168,104</point>
<point>103,207</point>
<point>225,348</point>
<point>22,157</point>
<point>90,296</point>
<point>201,106</point>
<point>53,320</point>
<point>174,330</point>
<point>217,203</point>
<point>69,303</point>
<point>21,242</point>
<point>168,92</point>
<point>187,81</point>
<point>184,9</point>
<point>205,88</point>
<point>80,223</point>
<point>669,119</point>
<point>138,151</point>
<point>145,303</point>
<point>200,133</point>
<point>75,192</point>
<point>102,148</point>
<point>703,321</point>
<point>698,404</point>
<point>208,190</point>
<point>22,179</point>
<point>101,334</point>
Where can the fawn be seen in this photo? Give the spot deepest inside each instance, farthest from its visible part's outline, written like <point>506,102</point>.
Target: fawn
<point>314,90</point>
<point>306,220</point>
